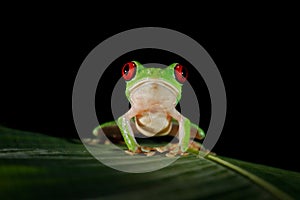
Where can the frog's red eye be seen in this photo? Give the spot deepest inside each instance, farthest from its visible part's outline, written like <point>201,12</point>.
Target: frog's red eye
<point>181,73</point>
<point>128,71</point>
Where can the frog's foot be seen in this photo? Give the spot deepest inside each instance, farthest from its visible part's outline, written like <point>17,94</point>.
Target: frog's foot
<point>174,150</point>
<point>148,151</point>
<point>193,148</point>
<point>170,150</point>
<point>197,147</point>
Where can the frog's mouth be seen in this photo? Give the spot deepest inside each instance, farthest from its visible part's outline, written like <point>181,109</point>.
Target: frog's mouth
<point>160,82</point>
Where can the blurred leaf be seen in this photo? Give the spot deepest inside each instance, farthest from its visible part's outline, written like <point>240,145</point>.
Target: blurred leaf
<point>36,166</point>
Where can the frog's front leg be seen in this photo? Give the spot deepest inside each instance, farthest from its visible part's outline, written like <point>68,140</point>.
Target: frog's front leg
<point>126,130</point>
<point>184,129</point>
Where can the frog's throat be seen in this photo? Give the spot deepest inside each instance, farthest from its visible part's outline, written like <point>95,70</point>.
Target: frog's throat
<point>161,82</point>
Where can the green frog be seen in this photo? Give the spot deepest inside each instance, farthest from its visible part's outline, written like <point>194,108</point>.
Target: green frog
<point>153,94</point>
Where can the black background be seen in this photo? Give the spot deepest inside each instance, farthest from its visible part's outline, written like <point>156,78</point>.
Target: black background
<point>256,58</point>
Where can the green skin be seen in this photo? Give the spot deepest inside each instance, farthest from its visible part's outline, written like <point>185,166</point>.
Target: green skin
<point>161,78</point>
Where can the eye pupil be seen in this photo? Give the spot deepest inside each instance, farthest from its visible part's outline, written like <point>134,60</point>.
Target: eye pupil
<point>128,71</point>
<point>181,73</point>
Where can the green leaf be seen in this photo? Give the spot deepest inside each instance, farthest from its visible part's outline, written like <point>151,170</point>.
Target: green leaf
<point>37,166</point>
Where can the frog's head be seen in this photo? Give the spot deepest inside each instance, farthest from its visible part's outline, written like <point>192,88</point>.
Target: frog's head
<point>171,77</point>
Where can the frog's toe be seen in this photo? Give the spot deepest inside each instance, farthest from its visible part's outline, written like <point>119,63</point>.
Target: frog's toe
<point>146,149</point>
<point>150,153</point>
<point>195,146</point>
<point>161,149</point>
<point>174,150</point>
<point>131,152</point>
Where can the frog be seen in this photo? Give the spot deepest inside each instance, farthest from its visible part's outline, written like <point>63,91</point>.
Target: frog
<point>153,94</point>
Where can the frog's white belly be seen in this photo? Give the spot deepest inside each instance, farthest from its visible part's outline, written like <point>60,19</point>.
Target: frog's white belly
<point>152,101</point>
<point>153,124</point>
